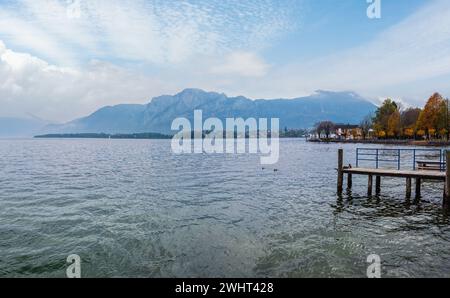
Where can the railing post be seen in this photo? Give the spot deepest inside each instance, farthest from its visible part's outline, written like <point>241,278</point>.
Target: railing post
<point>340,178</point>
<point>357,157</point>
<point>399,160</point>
<point>377,158</point>
<point>447,179</point>
<point>414,159</point>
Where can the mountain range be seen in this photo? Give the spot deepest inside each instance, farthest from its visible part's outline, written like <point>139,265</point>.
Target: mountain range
<point>158,114</point>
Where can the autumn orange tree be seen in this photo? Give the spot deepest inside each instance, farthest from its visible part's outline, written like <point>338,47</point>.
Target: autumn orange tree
<point>433,118</point>
<point>393,127</point>
<point>393,122</point>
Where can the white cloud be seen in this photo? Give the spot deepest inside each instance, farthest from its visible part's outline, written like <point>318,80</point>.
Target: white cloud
<point>140,49</point>
<point>154,32</point>
<point>177,45</point>
<point>242,64</point>
<point>31,85</point>
<point>2,47</point>
<point>24,35</point>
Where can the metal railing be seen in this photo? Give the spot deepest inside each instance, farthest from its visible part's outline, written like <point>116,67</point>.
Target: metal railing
<point>394,156</point>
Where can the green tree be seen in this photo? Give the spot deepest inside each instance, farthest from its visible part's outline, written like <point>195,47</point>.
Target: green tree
<point>383,114</point>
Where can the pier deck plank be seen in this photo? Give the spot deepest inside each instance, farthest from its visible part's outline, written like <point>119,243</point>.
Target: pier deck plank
<point>431,175</point>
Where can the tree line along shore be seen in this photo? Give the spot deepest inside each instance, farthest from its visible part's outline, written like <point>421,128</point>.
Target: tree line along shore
<point>286,133</point>
<point>393,124</point>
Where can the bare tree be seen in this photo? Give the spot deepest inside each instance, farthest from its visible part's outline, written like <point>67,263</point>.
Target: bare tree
<point>409,117</point>
<point>365,125</point>
<point>325,127</point>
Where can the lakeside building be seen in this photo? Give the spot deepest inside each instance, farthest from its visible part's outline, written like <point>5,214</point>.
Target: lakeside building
<point>348,132</point>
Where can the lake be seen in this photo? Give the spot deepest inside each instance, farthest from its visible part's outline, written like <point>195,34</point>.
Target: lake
<point>131,208</point>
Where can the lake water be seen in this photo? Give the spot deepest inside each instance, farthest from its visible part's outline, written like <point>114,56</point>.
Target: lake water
<point>130,208</point>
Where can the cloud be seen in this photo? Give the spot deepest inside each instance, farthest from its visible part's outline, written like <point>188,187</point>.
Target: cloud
<point>29,84</point>
<point>24,35</point>
<point>62,68</point>
<point>242,64</point>
<point>154,32</point>
<point>63,62</point>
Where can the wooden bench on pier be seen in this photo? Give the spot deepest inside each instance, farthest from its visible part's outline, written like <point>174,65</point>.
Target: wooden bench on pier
<point>418,175</point>
<point>428,165</point>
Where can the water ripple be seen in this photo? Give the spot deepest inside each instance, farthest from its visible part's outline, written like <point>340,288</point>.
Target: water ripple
<point>132,208</point>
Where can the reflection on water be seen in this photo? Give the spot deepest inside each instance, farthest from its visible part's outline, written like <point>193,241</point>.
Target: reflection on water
<point>132,208</point>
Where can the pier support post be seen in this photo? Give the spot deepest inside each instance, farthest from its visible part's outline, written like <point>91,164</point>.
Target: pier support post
<point>447,179</point>
<point>370,186</point>
<point>340,178</point>
<point>349,181</point>
<point>418,188</point>
<point>378,185</point>
<point>408,188</point>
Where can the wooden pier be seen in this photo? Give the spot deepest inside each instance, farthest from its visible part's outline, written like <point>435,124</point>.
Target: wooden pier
<point>417,175</point>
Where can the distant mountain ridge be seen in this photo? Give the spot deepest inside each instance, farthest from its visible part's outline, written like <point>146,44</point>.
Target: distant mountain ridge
<point>157,116</point>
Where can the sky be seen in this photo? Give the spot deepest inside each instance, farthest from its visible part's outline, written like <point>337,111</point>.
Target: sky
<point>63,59</point>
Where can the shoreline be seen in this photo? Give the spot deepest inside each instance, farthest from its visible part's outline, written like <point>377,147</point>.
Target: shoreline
<point>131,136</point>
<point>134,136</point>
<point>387,142</point>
